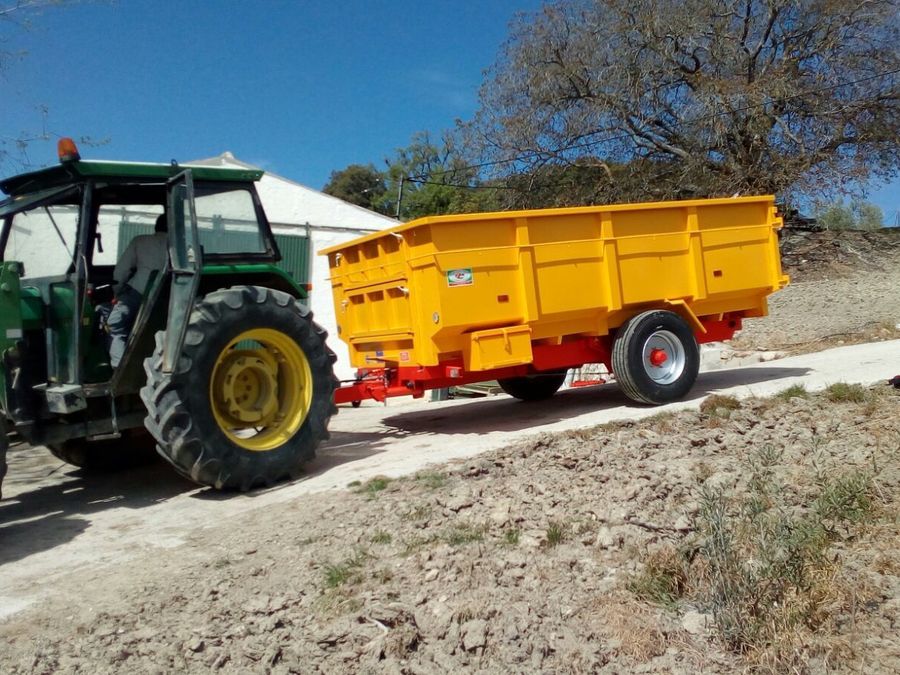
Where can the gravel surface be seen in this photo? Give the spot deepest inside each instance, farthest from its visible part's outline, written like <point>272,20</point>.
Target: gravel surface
<point>845,288</point>
<point>518,561</point>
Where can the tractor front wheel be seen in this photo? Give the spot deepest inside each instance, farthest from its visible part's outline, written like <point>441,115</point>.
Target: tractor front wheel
<point>4,446</point>
<point>250,395</point>
<point>134,448</point>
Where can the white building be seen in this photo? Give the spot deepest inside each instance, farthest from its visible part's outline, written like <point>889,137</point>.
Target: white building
<point>294,209</point>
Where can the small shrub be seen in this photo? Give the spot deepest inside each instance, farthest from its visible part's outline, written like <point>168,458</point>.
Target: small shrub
<point>794,391</point>
<point>663,579</point>
<point>511,536</point>
<point>761,566</point>
<point>846,498</point>
<point>841,392</point>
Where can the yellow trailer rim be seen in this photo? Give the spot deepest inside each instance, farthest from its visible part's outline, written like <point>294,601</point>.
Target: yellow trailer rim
<point>261,389</point>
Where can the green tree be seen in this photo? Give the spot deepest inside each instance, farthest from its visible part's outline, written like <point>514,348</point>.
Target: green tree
<point>358,184</point>
<point>695,98</point>
<point>436,180</point>
<point>868,216</point>
<point>858,215</point>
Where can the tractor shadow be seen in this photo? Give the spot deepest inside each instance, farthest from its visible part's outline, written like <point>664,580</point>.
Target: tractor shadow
<point>47,503</point>
<point>509,415</point>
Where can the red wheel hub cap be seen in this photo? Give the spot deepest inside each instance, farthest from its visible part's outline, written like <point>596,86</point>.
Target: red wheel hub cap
<point>658,357</point>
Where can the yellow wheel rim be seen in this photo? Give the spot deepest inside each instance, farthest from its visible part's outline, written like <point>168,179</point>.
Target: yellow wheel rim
<point>261,389</point>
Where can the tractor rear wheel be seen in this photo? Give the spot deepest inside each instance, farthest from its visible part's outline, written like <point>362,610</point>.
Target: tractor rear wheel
<point>250,395</point>
<point>535,387</point>
<point>655,357</point>
<point>4,446</point>
<point>135,448</point>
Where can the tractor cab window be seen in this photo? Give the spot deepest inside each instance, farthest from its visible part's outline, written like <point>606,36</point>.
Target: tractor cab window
<point>227,221</point>
<point>43,238</point>
<point>117,225</point>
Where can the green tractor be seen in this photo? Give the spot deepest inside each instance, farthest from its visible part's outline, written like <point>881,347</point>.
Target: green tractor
<point>224,371</point>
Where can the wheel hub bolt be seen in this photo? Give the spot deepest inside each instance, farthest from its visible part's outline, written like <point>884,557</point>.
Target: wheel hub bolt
<point>658,357</point>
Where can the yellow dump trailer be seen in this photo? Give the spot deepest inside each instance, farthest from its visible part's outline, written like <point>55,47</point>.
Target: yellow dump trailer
<point>520,296</point>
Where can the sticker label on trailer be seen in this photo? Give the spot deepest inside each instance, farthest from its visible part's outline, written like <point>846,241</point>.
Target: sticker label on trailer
<point>461,277</point>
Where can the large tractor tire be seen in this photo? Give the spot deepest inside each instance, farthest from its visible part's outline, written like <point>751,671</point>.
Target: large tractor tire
<point>655,357</point>
<point>135,448</point>
<point>535,387</point>
<point>250,396</point>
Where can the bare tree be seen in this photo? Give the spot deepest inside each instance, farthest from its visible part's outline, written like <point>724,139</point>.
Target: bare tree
<point>17,16</point>
<point>649,99</point>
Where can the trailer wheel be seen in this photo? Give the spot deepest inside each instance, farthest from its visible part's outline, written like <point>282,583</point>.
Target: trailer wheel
<point>655,357</point>
<point>251,394</point>
<point>135,448</point>
<point>535,387</point>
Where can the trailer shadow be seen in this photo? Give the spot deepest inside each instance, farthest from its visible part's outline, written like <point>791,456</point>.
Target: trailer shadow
<point>507,414</point>
<point>47,503</point>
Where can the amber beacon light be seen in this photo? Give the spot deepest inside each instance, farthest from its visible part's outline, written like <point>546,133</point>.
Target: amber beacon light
<point>67,150</point>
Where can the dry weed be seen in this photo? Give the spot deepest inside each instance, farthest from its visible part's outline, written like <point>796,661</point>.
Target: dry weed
<point>634,626</point>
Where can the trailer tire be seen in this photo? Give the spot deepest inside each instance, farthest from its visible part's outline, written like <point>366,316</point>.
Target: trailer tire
<point>107,455</point>
<point>655,357</point>
<point>535,387</point>
<point>251,394</point>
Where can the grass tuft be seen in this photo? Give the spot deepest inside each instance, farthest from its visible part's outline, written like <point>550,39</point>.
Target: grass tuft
<point>794,391</point>
<point>346,571</point>
<point>556,534</point>
<point>841,392</point>
<point>461,535</point>
<point>373,486</point>
<point>431,479</point>
<point>382,537</point>
<point>718,406</point>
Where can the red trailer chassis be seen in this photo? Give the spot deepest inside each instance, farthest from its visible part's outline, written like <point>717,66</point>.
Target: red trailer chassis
<point>391,379</point>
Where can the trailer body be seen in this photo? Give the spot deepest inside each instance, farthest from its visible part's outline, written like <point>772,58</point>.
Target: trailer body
<point>452,299</point>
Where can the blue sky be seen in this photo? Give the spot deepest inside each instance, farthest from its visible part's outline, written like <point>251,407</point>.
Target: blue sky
<point>300,88</point>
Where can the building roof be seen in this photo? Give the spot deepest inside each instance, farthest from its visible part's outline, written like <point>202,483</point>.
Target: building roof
<point>288,202</point>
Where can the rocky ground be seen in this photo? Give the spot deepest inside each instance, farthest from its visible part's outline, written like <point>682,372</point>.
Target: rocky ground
<point>602,550</point>
<point>529,559</point>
